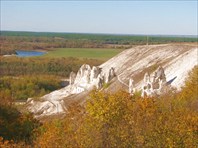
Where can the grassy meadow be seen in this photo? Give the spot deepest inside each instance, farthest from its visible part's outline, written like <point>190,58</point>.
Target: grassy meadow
<point>90,53</point>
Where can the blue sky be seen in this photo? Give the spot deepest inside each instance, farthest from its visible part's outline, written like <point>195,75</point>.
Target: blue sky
<point>117,17</point>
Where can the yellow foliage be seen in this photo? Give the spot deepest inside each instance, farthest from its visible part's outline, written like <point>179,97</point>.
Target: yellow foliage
<point>11,144</point>
<point>122,120</point>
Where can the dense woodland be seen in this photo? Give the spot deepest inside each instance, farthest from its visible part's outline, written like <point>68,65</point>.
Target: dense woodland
<point>14,66</point>
<point>11,41</point>
<point>111,120</point>
<point>21,88</point>
<point>21,78</point>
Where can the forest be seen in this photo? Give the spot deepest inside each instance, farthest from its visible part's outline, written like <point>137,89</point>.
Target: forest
<point>12,40</point>
<point>14,66</point>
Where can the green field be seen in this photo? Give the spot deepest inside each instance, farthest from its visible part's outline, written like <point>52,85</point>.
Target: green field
<point>12,40</point>
<point>91,53</point>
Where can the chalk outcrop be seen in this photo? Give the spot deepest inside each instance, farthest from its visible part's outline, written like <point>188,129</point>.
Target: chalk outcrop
<point>154,85</point>
<point>131,86</point>
<point>110,75</point>
<point>95,71</point>
<point>85,80</point>
<point>88,78</point>
<point>72,78</point>
<point>124,71</point>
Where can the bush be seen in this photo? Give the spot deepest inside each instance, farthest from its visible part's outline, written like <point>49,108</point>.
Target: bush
<point>15,126</point>
<point>121,120</point>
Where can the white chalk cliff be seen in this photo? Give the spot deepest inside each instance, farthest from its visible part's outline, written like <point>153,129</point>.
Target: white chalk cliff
<point>146,68</point>
<point>86,79</point>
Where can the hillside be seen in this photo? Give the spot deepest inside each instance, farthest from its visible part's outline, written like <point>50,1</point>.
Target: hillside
<point>176,60</point>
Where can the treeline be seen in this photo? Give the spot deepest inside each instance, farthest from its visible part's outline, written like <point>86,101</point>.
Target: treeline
<point>122,120</point>
<point>10,41</point>
<point>22,78</point>
<point>22,88</point>
<point>98,37</point>
<point>14,66</point>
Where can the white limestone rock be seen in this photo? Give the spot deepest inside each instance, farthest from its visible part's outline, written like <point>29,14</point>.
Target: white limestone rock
<point>72,78</point>
<point>160,74</point>
<point>83,75</point>
<point>146,78</point>
<point>131,86</point>
<point>100,81</point>
<point>110,75</point>
<point>156,84</point>
<point>95,71</point>
<point>177,60</point>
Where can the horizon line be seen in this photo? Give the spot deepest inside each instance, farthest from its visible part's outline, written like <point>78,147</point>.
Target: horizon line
<point>124,34</point>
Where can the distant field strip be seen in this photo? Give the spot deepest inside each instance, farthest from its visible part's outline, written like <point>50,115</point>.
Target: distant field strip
<point>92,53</point>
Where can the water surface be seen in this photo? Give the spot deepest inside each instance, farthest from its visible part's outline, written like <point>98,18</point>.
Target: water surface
<point>23,53</point>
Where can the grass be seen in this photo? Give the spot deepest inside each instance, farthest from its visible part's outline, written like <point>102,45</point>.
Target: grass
<point>90,53</point>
